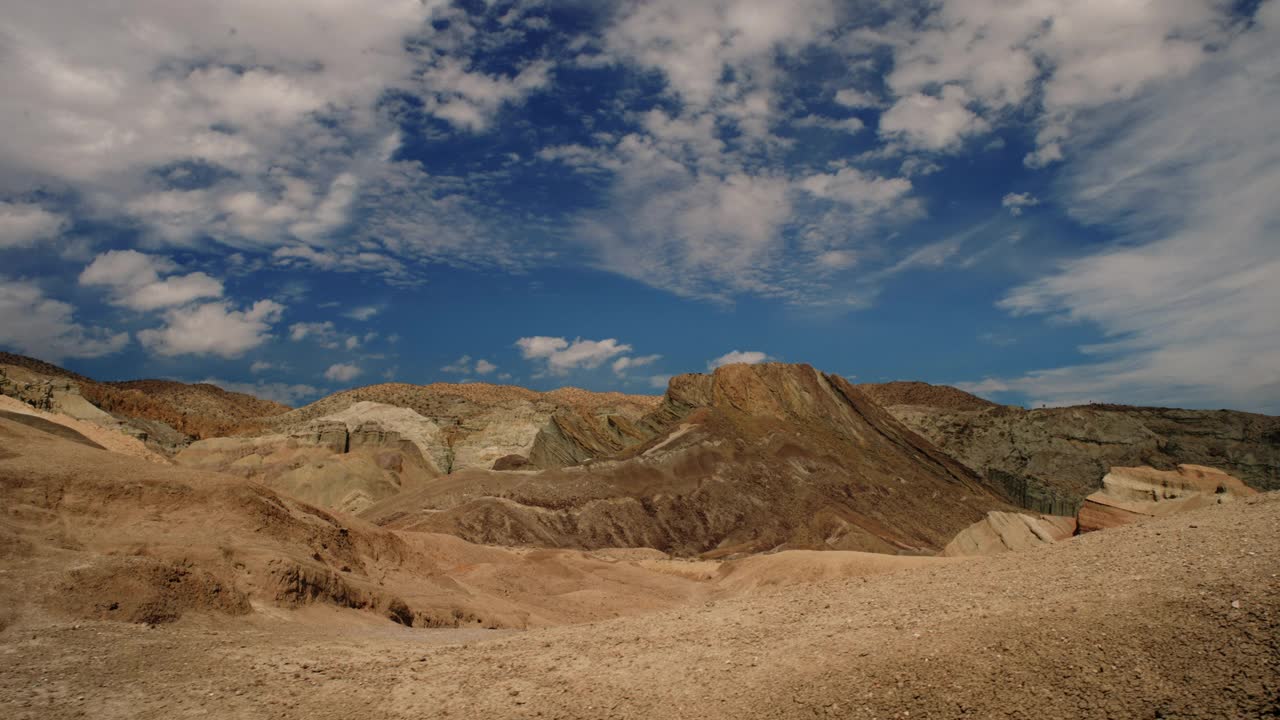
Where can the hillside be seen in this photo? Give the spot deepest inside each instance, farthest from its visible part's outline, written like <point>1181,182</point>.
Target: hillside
<point>165,411</point>
<point>920,393</point>
<point>1050,459</point>
<point>742,460</point>
<point>1186,627</point>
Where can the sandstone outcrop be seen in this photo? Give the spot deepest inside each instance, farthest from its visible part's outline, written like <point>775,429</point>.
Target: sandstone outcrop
<point>1001,532</point>
<point>1130,494</point>
<point>746,459</point>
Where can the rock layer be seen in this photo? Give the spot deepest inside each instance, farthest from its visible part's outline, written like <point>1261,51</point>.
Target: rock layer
<point>1130,494</point>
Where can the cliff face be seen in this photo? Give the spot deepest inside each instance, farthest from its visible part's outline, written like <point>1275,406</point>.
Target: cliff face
<point>1049,460</point>
<point>746,459</point>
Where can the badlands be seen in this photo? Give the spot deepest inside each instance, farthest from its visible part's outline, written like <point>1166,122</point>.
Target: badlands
<point>763,541</point>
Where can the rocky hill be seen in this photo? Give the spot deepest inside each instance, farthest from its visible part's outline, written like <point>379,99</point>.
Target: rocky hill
<point>742,460</point>
<point>165,412</point>
<point>1050,459</point>
<point>904,392</point>
<point>473,425</point>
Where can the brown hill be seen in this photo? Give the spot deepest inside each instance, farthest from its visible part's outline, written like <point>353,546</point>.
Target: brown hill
<point>166,412</point>
<point>743,460</point>
<point>920,393</point>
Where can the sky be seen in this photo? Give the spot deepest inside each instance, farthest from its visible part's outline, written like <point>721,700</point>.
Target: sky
<point>1045,202</point>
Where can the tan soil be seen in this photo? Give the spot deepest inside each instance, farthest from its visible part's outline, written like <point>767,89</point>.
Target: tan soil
<point>1174,618</point>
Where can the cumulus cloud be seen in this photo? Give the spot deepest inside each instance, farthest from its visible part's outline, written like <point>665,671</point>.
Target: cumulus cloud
<point>1016,202</point>
<point>34,324</point>
<point>465,366</point>
<point>342,372</point>
<point>748,357</point>
<point>214,328</point>
<point>322,333</point>
<point>23,224</point>
<point>134,280</point>
<point>561,356</point>
<point>936,123</point>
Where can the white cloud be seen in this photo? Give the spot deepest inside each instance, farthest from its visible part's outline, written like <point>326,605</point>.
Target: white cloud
<point>623,364</point>
<point>852,98</point>
<point>260,366</point>
<point>659,382</point>
<point>1187,299</point>
<point>484,367</point>
<point>252,124</point>
<point>23,225</point>
<point>213,329</point>
<point>1016,202</point>
<point>461,366</point>
<point>34,324</point>
<point>936,123</point>
<point>134,281</point>
<point>362,313</point>
<point>342,372</point>
<point>562,356</point>
<point>748,357</point>
<point>322,333</point>
<point>1085,54</point>
<point>469,99</point>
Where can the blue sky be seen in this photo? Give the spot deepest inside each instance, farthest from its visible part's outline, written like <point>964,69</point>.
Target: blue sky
<point>1043,202</point>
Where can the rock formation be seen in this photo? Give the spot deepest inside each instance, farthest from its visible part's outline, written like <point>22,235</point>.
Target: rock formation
<point>1130,494</point>
<point>1001,532</point>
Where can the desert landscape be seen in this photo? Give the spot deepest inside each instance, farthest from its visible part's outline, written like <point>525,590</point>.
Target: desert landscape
<point>764,540</point>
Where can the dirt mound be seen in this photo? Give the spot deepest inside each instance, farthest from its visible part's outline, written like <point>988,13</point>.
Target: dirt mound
<point>1001,532</point>
<point>923,394</point>
<point>39,423</point>
<point>145,590</point>
<point>1132,494</point>
<point>743,460</point>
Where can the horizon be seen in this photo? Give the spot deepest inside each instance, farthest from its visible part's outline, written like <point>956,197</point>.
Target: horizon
<point>1039,206</point>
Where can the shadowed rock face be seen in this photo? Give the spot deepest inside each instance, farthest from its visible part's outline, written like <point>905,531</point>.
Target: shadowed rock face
<point>746,459</point>
<point>1049,460</point>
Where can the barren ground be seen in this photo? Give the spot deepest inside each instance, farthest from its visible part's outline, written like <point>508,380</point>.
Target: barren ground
<point>1175,618</point>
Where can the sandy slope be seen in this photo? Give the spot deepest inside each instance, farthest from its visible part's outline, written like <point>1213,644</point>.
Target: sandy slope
<point>1175,618</point>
